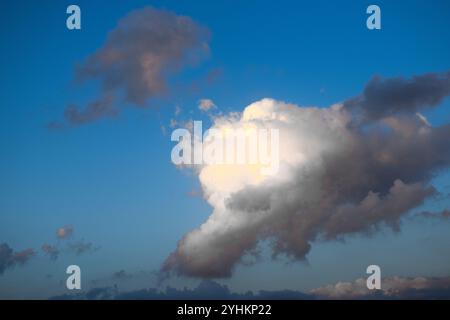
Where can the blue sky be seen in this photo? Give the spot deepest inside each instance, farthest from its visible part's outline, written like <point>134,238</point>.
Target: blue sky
<point>113,180</point>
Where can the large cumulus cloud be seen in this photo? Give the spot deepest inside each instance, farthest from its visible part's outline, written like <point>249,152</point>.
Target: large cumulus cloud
<point>337,175</point>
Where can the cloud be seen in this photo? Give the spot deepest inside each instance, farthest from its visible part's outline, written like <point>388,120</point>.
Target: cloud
<point>64,232</point>
<point>81,247</point>
<point>121,275</point>
<point>385,97</point>
<point>51,251</point>
<point>55,125</point>
<point>391,288</point>
<point>206,290</point>
<point>140,53</point>
<point>9,258</point>
<point>206,105</point>
<point>444,214</point>
<point>173,123</point>
<point>336,176</point>
<point>177,110</point>
<point>145,46</point>
<point>93,111</point>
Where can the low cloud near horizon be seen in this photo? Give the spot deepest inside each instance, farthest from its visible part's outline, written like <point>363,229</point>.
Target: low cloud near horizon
<point>392,288</point>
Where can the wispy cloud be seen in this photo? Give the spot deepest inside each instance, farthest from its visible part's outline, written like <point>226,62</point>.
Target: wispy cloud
<point>82,246</point>
<point>51,251</point>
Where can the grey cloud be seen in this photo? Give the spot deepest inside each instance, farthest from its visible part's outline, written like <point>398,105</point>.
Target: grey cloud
<point>9,258</point>
<point>134,63</point>
<point>386,97</point>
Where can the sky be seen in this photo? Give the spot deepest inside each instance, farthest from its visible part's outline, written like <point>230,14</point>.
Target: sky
<point>99,189</point>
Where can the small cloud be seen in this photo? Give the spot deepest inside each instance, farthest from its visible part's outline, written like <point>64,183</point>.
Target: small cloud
<point>189,125</point>
<point>163,130</point>
<point>9,258</point>
<point>51,251</point>
<point>194,193</point>
<point>95,110</point>
<point>64,232</point>
<point>23,256</point>
<point>423,119</point>
<point>173,123</point>
<point>55,125</point>
<point>121,275</point>
<point>392,288</point>
<point>444,214</point>
<point>82,246</point>
<point>177,110</point>
<point>206,105</point>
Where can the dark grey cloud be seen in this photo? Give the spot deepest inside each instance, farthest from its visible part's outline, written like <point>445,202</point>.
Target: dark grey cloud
<point>353,178</point>
<point>9,258</point>
<point>386,97</point>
